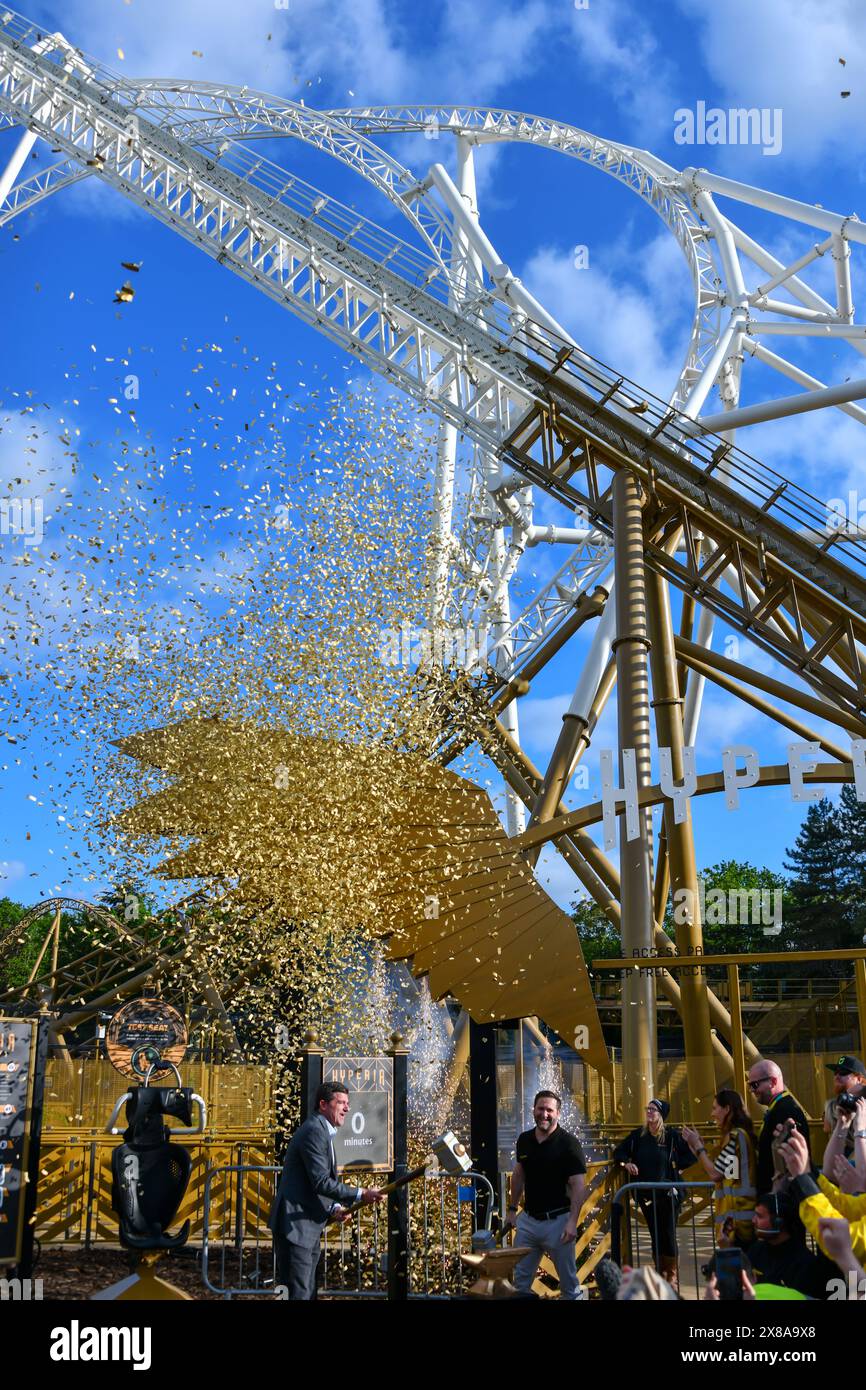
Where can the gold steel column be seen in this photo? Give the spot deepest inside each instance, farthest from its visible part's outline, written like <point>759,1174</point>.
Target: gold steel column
<point>572,743</point>
<point>630,646</point>
<point>737,1046</point>
<point>555,782</point>
<point>860,982</point>
<point>667,705</point>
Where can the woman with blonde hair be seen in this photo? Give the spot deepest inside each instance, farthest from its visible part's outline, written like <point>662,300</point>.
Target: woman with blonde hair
<point>733,1166</point>
<point>655,1152</point>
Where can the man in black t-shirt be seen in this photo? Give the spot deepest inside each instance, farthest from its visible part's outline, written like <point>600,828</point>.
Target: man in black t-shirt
<point>767,1085</point>
<point>550,1176</point>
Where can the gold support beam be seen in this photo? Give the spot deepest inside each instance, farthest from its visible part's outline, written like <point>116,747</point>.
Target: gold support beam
<point>681,848</point>
<point>860,983</point>
<point>692,652</point>
<point>773,775</point>
<point>49,937</point>
<point>573,741</point>
<point>630,647</point>
<point>757,702</point>
<point>730,958</point>
<point>737,1030</point>
<point>601,880</point>
<point>588,606</point>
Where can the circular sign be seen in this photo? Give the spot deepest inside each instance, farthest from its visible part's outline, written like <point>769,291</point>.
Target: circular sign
<point>145,1033</point>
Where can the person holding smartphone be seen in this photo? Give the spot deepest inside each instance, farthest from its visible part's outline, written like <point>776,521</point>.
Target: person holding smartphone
<point>767,1085</point>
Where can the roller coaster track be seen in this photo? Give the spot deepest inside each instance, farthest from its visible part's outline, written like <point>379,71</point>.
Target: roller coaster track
<point>551,416</point>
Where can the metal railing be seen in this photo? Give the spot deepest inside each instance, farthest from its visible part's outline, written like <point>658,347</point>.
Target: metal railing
<point>773,990</point>
<point>237,1249</point>
<point>632,1238</point>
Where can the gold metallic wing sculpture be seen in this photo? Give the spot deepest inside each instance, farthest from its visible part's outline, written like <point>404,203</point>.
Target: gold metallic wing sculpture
<point>398,845</point>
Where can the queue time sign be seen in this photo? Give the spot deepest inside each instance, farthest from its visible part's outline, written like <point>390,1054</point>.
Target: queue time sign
<point>23,1048</point>
<point>366,1139</point>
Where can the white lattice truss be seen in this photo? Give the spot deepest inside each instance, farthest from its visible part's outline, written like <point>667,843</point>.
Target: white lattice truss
<point>445,320</point>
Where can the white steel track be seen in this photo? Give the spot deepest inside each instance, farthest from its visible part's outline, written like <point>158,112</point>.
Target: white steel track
<point>444,319</point>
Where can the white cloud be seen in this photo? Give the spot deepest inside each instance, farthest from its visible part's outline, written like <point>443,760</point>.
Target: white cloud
<point>785,53</point>
<point>822,450</point>
<point>11,870</point>
<point>161,38</point>
<point>325,53</point>
<point>33,461</point>
<point>539,715</point>
<point>724,720</point>
<point>355,50</point>
<point>619,49</point>
<point>631,307</point>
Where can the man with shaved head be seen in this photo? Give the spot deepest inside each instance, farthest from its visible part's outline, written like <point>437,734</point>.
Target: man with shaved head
<point>767,1085</point>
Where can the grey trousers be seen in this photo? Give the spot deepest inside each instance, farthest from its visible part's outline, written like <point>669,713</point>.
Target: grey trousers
<point>296,1268</point>
<point>544,1237</point>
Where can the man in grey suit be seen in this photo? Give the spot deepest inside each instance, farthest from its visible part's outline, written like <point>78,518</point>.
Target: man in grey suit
<point>310,1193</point>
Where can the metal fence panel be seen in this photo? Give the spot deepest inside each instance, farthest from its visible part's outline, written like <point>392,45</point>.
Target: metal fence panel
<point>238,1256</point>
<point>631,1237</point>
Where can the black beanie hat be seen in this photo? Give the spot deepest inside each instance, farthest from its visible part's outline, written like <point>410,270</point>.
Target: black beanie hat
<point>663,1107</point>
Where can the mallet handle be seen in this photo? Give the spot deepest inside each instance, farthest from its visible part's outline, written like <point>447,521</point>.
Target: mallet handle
<point>411,1176</point>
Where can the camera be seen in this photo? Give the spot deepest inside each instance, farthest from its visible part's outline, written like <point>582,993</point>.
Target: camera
<point>846,1101</point>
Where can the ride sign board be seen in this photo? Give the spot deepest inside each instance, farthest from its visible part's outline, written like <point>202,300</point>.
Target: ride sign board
<point>366,1138</point>
<point>145,1033</point>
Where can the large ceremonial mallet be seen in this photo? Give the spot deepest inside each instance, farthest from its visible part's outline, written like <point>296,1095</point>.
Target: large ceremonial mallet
<point>447,1153</point>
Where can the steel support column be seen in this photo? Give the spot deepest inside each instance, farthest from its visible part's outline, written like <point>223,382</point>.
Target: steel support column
<point>737,1030</point>
<point>593,688</point>
<point>667,705</point>
<point>483,1126</point>
<point>860,985</point>
<point>631,645</point>
<point>398,1201</point>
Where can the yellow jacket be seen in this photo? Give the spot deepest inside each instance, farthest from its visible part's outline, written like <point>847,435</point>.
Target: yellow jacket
<point>736,1194</point>
<point>824,1198</point>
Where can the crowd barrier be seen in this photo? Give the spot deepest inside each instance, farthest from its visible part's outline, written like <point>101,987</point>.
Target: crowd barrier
<point>631,1235</point>
<point>445,1211</point>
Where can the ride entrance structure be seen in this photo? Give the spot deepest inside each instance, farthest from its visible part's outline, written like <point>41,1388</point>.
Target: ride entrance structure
<point>663,515</point>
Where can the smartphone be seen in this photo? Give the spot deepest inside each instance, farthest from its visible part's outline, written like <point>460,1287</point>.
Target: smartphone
<point>729,1275</point>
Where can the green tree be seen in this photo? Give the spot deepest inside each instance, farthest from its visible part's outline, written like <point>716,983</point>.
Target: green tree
<point>598,936</point>
<point>821,915</point>
<point>852,825</point>
<point>19,960</point>
<point>10,915</point>
<point>128,903</point>
<point>741,908</point>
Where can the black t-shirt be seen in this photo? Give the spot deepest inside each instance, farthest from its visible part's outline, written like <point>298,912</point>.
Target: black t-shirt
<point>784,1107</point>
<point>548,1166</point>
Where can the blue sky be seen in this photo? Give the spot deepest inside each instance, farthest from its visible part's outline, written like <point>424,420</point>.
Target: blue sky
<point>616,68</point>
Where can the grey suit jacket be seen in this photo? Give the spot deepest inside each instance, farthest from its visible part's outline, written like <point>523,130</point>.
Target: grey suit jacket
<point>309,1185</point>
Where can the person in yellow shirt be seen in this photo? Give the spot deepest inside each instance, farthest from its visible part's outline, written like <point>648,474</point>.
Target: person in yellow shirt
<point>822,1199</point>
